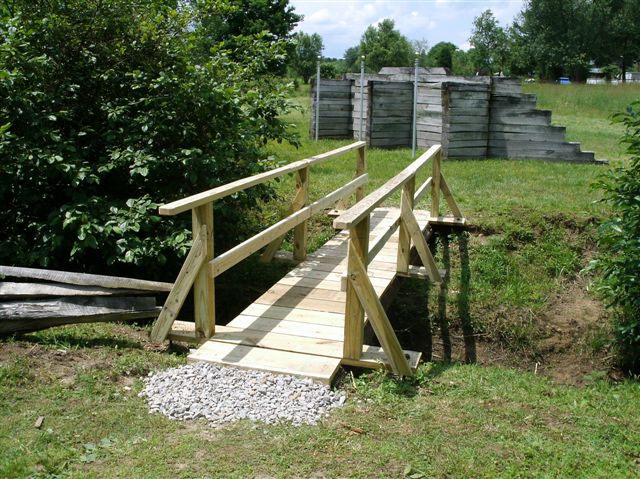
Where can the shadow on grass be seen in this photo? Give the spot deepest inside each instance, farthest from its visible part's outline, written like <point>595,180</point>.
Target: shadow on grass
<point>420,310</point>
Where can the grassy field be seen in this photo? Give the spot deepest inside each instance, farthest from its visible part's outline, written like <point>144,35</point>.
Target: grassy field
<point>518,413</point>
<point>586,111</point>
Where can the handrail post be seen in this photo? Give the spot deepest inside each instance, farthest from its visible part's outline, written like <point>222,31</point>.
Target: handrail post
<point>354,312</point>
<point>404,237</point>
<point>301,200</point>
<point>203,286</point>
<point>435,185</point>
<point>361,169</point>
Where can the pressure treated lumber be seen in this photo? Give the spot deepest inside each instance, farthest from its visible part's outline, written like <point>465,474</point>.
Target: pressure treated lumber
<point>213,194</point>
<point>190,269</point>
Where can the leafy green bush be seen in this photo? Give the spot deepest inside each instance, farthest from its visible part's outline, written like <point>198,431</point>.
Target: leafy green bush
<point>619,241</point>
<point>111,107</point>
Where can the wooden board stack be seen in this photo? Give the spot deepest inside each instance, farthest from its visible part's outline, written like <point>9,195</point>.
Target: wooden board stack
<point>34,299</point>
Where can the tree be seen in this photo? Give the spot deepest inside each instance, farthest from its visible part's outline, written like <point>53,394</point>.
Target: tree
<point>384,46</point>
<point>623,33</point>
<point>489,42</point>
<point>307,49</point>
<point>229,21</point>
<point>557,37</point>
<point>441,55</point>
<point>421,48</point>
<point>109,109</point>
<point>618,259</point>
<point>462,62</point>
<point>352,59</point>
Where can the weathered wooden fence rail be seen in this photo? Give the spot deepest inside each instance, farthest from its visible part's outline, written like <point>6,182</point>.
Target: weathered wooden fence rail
<point>202,266</point>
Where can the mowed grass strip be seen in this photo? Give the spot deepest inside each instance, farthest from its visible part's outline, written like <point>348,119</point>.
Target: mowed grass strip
<point>451,421</point>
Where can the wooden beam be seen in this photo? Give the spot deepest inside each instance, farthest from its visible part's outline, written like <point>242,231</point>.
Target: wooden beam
<point>378,319</point>
<point>83,279</point>
<point>236,254</point>
<point>404,238</point>
<point>300,200</point>
<point>381,240</point>
<point>213,194</point>
<point>363,208</point>
<point>448,196</point>
<point>421,244</point>
<point>435,185</point>
<point>203,285</point>
<point>424,188</point>
<point>10,290</point>
<point>33,315</point>
<point>300,231</point>
<point>358,249</point>
<point>195,259</point>
<point>361,169</point>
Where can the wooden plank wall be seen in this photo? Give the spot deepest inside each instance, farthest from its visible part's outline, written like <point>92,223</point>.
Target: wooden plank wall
<point>390,107</point>
<point>336,107</point>
<point>355,94</point>
<point>465,119</point>
<point>518,130</point>
<point>429,122</point>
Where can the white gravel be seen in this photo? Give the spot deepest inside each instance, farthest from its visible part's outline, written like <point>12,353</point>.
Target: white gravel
<point>222,395</point>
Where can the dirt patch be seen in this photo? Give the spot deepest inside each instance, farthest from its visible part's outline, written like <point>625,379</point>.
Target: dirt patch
<point>567,331</point>
<point>569,323</point>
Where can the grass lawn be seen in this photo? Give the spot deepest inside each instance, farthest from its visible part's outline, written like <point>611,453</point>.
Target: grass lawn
<point>518,413</point>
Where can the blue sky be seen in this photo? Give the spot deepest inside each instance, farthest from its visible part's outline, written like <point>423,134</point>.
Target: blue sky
<point>342,23</point>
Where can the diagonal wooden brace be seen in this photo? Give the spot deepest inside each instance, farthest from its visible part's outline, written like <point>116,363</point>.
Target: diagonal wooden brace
<point>453,206</point>
<point>192,265</point>
<point>420,243</point>
<point>378,318</point>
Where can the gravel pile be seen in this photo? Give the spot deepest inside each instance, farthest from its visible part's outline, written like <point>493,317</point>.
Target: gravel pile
<point>222,395</point>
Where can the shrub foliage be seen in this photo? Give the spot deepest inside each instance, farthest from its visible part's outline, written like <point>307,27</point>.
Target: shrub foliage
<point>111,107</point>
<point>619,241</point>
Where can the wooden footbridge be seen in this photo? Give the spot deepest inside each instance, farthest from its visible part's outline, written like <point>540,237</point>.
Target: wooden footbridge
<point>312,321</point>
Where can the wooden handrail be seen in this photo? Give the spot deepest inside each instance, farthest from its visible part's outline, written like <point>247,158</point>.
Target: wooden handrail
<point>363,208</point>
<point>202,266</point>
<point>243,250</point>
<point>213,194</point>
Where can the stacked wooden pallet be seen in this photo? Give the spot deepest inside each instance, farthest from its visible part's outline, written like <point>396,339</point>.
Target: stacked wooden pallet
<point>390,114</point>
<point>34,299</point>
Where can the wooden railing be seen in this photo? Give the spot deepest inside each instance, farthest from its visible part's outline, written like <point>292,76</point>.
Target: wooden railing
<point>361,295</point>
<point>202,266</point>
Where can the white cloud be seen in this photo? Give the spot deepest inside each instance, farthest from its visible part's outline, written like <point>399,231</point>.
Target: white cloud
<point>342,23</point>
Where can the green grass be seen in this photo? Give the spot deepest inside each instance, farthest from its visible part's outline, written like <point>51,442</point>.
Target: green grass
<point>532,231</point>
<point>451,421</point>
<point>586,111</point>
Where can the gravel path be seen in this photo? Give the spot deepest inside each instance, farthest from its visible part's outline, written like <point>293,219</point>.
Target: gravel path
<point>222,395</point>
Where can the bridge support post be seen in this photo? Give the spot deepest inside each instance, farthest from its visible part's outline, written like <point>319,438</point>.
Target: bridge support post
<point>301,200</point>
<point>203,286</point>
<point>404,237</point>
<point>354,312</point>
